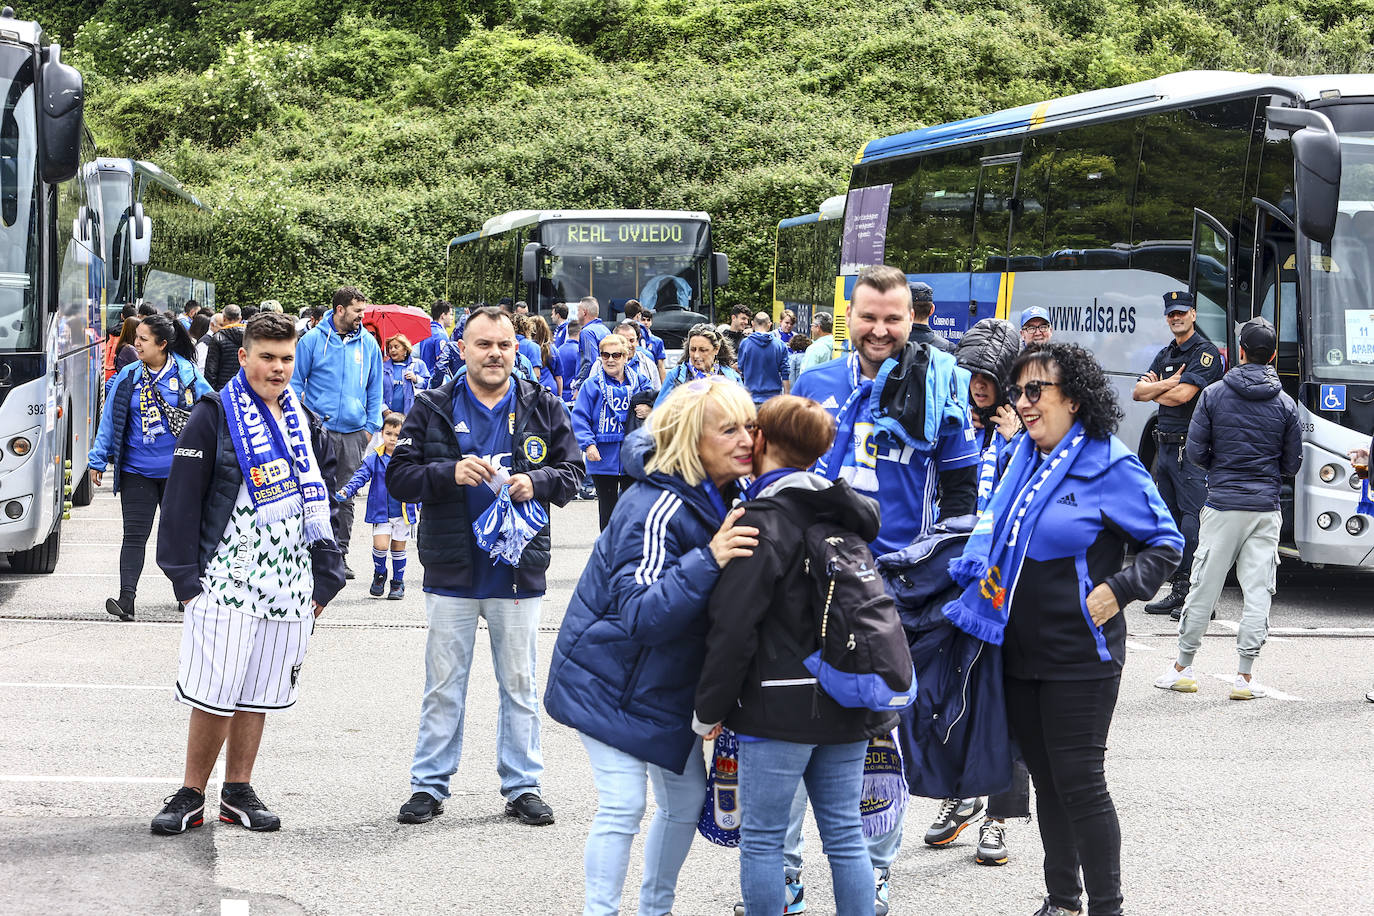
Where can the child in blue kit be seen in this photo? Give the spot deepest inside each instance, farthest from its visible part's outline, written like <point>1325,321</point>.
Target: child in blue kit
<point>390,518</point>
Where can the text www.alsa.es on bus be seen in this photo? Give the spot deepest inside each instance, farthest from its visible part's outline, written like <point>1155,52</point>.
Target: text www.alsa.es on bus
<point>1089,319</point>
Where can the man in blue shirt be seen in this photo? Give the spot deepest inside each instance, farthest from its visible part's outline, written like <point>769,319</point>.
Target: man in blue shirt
<point>763,362</point>
<point>440,326</point>
<point>569,352</point>
<point>460,444</point>
<point>339,377</point>
<point>905,470</point>
<point>589,338</point>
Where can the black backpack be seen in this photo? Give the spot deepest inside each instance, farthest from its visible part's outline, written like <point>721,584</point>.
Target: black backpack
<point>863,661</point>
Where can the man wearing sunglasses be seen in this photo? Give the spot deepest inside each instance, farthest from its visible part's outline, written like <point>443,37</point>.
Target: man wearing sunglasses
<point>1179,372</point>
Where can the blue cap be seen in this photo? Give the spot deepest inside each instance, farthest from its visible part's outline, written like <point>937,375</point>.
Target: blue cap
<point>1177,301</point>
<point>921,292</point>
<point>1034,311</point>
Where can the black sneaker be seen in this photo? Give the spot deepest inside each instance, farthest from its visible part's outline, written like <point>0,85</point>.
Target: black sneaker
<point>1178,593</point>
<point>398,590</point>
<point>992,843</point>
<point>348,572</point>
<point>180,812</point>
<point>1049,909</point>
<point>1177,614</point>
<point>241,805</point>
<point>421,809</point>
<point>121,607</point>
<point>951,819</point>
<point>378,585</point>
<point>531,809</point>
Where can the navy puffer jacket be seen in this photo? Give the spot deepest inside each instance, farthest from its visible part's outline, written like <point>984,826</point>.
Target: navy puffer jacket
<point>633,640</point>
<point>1244,434</point>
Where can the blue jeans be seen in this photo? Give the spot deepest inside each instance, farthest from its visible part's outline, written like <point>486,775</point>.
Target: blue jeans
<point>620,801</point>
<point>769,773</point>
<point>882,849</point>
<point>513,626</point>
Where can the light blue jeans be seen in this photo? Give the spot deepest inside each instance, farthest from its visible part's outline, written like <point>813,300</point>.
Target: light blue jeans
<point>882,849</point>
<point>620,801</point>
<point>513,626</point>
<point>833,774</point>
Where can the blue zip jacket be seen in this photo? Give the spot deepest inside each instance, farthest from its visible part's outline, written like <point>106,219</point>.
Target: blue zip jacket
<point>428,349</point>
<point>633,639</point>
<point>394,383</point>
<point>589,426</point>
<point>567,362</point>
<point>680,374</point>
<point>108,447</point>
<point>589,347</point>
<point>763,363</point>
<point>381,506</point>
<point>340,378</point>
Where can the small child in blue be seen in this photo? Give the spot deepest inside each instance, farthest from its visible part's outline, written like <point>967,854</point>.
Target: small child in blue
<point>390,518</point>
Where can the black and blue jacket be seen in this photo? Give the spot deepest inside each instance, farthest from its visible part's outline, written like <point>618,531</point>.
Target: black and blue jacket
<point>108,447</point>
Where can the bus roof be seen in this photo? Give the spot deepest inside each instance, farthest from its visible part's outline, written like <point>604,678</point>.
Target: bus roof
<point>517,218</point>
<point>831,208</point>
<point>1174,90</point>
<point>147,170</point>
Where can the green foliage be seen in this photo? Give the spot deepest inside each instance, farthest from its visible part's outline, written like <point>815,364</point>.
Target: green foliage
<point>342,141</point>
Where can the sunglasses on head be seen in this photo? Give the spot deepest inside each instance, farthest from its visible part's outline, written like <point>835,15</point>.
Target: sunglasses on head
<point>1033,391</point>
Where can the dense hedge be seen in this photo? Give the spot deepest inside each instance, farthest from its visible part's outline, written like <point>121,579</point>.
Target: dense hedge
<point>348,141</point>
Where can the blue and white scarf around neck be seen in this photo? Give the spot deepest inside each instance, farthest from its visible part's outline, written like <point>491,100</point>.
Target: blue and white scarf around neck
<point>282,476</point>
<point>992,558</point>
<point>150,421</point>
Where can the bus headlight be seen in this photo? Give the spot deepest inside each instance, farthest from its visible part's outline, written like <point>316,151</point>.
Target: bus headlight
<point>1355,481</point>
<point>1355,525</point>
<point>1327,520</point>
<point>1328,473</point>
<point>14,508</point>
<point>20,446</point>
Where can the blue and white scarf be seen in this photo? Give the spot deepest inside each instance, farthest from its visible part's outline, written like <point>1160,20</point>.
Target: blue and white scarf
<point>992,558</point>
<point>282,476</point>
<point>987,468</point>
<point>884,789</point>
<point>507,527</point>
<point>150,421</point>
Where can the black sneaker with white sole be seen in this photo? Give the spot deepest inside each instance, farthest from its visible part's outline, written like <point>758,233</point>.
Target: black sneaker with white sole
<point>239,804</point>
<point>180,812</point>
<point>421,809</point>
<point>530,809</point>
<point>951,819</point>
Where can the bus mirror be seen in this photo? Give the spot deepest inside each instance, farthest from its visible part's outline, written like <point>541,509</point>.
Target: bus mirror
<point>1316,168</point>
<point>720,268</point>
<point>140,236</point>
<point>529,262</point>
<point>60,121</point>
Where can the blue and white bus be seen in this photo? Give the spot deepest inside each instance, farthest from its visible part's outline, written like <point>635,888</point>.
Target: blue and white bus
<point>51,295</point>
<point>1255,192</point>
<point>806,259</point>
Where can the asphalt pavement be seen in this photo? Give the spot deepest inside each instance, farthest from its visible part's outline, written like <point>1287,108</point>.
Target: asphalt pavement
<point>1226,807</point>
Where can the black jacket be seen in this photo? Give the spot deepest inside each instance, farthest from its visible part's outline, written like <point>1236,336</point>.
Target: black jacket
<point>222,356</point>
<point>1244,434</point>
<point>762,624</point>
<point>421,471</point>
<point>201,490</point>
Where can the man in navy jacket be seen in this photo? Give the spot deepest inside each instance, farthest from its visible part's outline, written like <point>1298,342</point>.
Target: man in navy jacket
<point>1245,435</point>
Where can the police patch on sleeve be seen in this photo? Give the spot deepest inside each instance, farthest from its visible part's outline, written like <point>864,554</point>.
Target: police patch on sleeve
<point>1206,360</point>
<point>536,450</point>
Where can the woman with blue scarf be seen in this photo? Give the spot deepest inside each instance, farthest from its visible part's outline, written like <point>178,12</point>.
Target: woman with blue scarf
<point>633,639</point>
<point>148,402</point>
<point>701,360</point>
<point>598,420</point>
<point>402,375</point>
<point>1043,578</point>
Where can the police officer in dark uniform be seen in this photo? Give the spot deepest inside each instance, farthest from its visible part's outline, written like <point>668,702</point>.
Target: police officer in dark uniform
<point>1178,374</point>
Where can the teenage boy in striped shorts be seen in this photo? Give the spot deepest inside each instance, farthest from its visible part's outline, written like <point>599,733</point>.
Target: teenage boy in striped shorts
<point>252,558</point>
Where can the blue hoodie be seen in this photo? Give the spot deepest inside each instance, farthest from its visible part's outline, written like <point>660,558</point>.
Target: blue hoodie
<point>429,349</point>
<point>599,414</point>
<point>763,363</point>
<point>633,639</point>
<point>340,378</point>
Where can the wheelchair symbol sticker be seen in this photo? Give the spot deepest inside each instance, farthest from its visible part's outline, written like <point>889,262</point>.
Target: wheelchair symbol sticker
<point>1333,397</point>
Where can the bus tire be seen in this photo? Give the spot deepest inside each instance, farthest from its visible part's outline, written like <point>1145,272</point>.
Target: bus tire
<point>84,492</point>
<point>41,559</point>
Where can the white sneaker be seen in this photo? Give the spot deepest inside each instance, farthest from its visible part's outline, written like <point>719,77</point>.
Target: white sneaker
<point>1247,690</point>
<point>1173,679</point>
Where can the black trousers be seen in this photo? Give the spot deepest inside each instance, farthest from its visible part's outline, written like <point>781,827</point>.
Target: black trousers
<point>139,498</point>
<point>608,490</point>
<point>1015,802</point>
<point>1062,729</point>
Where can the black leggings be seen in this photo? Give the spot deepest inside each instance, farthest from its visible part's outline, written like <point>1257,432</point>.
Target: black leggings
<point>139,498</point>
<point>1015,802</point>
<point>1062,729</point>
<point>608,490</point>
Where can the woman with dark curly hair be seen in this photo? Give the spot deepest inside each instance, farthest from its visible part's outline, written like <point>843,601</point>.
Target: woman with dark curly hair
<point>704,356</point>
<point>1043,577</point>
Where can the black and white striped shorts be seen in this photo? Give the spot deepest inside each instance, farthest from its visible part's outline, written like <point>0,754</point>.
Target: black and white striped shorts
<point>232,661</point>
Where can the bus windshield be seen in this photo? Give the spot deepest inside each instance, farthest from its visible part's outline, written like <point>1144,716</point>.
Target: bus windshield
<point>20,323</point>
<point>662,263</point>
<point>116,199</point>
<point>1342,326</point>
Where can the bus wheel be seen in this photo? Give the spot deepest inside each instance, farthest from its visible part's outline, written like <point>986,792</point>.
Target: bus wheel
<point>84,492</point>
<point>40,559</point>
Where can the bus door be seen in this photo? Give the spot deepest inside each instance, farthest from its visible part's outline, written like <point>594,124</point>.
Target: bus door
<point>995,204</point>
<point>1209,280</point>
<point>1275,296</point>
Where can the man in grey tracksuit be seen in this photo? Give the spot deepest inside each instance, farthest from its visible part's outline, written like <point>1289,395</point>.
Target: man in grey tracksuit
<point>1245,434</point>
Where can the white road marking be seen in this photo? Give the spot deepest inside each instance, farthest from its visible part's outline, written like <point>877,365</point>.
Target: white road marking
<point>1270,692</point>
<point>23,684</point>
<point>229,907</point>
<point>95,780</point>
<point>1138,647</point>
